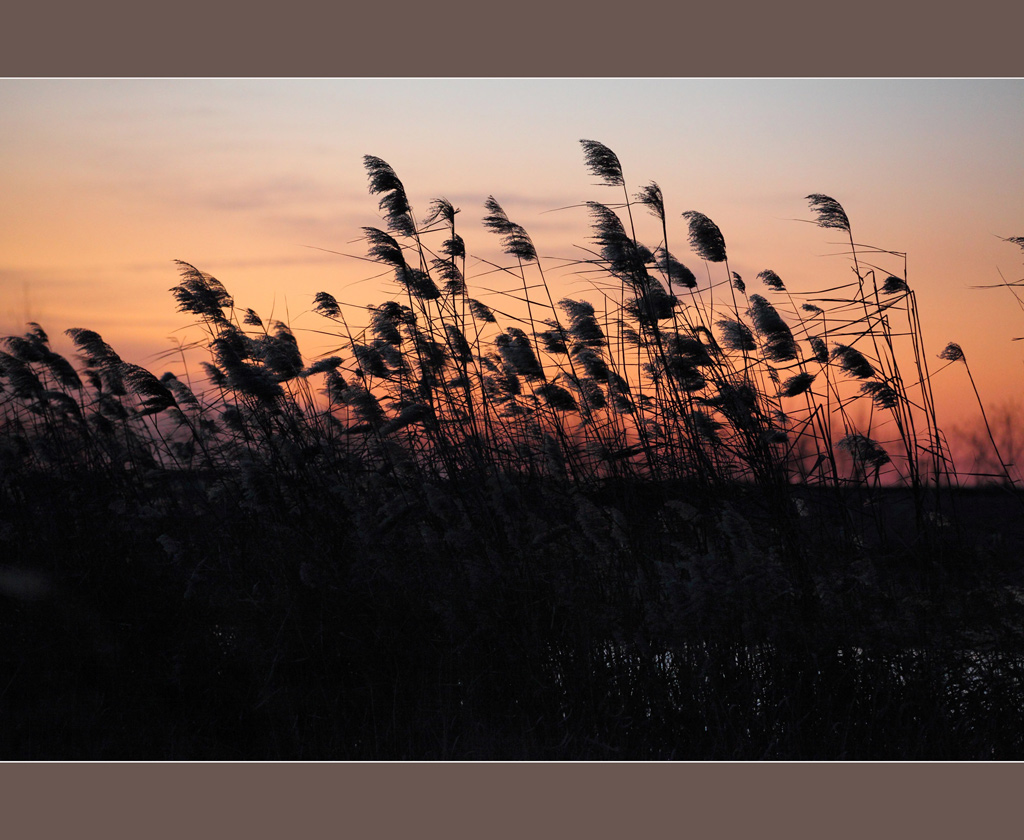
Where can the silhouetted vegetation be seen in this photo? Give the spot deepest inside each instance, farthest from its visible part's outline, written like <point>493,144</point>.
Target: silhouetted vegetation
<point>644,523</point>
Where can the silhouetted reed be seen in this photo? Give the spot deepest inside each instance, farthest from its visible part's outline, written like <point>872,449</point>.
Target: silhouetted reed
<point>637,523</point>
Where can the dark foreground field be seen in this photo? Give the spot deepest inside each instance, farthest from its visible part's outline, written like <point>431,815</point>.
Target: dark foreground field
<point>533,622</point>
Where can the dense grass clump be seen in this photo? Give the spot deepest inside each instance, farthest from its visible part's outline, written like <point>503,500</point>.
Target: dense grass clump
<point>639,523</point>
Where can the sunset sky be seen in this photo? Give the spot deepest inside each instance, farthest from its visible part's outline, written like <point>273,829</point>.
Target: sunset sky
<point>106,182</point>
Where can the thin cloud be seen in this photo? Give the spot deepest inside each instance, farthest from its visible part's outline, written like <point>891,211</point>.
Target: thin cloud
<point>262,194</point>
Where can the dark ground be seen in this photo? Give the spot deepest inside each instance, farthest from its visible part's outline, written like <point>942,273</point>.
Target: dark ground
<point>127,639</point>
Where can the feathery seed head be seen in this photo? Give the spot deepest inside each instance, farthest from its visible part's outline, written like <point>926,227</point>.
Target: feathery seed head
<point>1016,240</point>
<point>63,371</point>
<point>705,426</point>
<point>686,349</point>
<point>62,403</point>
<point>881,394</point>
<point>797,384</point>
<point>28,349</point>
<point>819,349</point>
<point>455,247</point>
<point>200,293</point>
<point>738,402</point>
<point>38,333</point>
<point>481,311</point>
<point>603,162</point>
<point>830,212</point>
<point>736,335</point>
<point>626,258</point>
<point>952,353</point>
<point>674,270</point>
<point>592,362</point>
<point>232,350</point>
<point>771,280</point>
<point>583,322</point>
<point>326,305</point>
<point>183,395</point>
<point>25,383</point>
<point>651,197</point>
<point>590,393</point>
<point>152,393</point>
<point>682,371</point>
<point>454,282</point>
<point>214,374</point>
<point>618,392</point>
<point>391,355</point>
<point>515,349</point>
<point>653,304</point>
<point>394,203</point>
<point>410,414</point>
<point>853,361</point>
<point>894,285</point>
<point>441,208</point>
<point>335,385</point>
<point>864,450</point>
<point>457,341</point>
<point>280,352</point>
<point>515,240</point>
<point>386,319</point>
<point>384,247</point>
<point>555,339</point>
<point>104,363</point>
<point>779,344</point>
<point>433,355</point>
<point>365,405</point>
<point>417,282</point>
<point>557,397</point>
<point>323,365</point>
<point>705,237</point>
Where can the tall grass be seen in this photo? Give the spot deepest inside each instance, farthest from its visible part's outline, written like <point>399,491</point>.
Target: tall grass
<point>502,522</point>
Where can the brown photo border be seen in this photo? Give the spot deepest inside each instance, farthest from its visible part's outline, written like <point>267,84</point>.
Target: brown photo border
<point>534,39</point>
<point>58,39</point>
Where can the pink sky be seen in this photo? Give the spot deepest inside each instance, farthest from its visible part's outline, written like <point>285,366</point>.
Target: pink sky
<point>106,182</point>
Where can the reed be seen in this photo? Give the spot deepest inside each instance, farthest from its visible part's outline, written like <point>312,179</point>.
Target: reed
<point>636,523</point>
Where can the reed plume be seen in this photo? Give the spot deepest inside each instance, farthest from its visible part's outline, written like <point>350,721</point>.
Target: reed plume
<point>771,280</point>
<point>515,241</point>
<point>603,163</point>
<point>651,197</point>
<point>830,213</point>
<point>779,344</point>
<point>853,361</point>
<point>394,202</point>
<point>705,237</point>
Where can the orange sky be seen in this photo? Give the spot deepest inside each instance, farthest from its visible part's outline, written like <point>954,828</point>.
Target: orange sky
<point>106,182</point>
